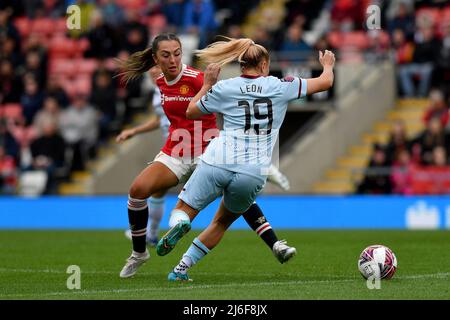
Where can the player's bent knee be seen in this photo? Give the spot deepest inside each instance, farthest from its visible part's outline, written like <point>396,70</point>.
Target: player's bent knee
<point>139,190</point>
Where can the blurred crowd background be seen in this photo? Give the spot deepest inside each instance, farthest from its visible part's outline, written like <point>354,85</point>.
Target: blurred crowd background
<point>60,101</point>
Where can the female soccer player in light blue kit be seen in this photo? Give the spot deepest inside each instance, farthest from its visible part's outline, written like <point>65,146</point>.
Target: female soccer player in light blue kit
<point>156,203</point>
<point>235,164</point>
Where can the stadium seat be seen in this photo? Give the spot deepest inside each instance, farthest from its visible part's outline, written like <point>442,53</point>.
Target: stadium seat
<point>62,47</point>
<point>80,47</point>
<point>11,111</point>
<point>132,4</point>
<point>23,25</point>
<point>86,66</point>
<point>64,67</point>
<point>156,23</point>
<point>83,84</point>
<point>44,26</point>
<point>60,26</point>
<point>356,39</point>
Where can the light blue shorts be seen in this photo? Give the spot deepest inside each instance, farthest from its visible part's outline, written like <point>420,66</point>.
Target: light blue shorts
<point>207,183</point>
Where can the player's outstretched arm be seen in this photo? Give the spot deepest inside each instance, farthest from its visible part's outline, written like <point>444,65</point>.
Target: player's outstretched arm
<point>325,80</point>
<point>211,75</point>
<point>150,125</point>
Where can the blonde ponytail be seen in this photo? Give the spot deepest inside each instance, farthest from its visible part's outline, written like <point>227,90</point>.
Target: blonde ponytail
<point>245,51</point>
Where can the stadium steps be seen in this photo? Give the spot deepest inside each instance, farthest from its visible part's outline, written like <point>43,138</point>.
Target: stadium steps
<point>348,170</point>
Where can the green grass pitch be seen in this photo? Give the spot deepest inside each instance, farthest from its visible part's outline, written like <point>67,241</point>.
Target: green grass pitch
<point>34,265</point>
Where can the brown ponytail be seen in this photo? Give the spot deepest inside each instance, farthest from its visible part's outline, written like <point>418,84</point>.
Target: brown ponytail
<point>142,61</point>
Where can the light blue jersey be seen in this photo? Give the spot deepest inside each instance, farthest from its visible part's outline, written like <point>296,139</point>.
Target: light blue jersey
<point>253,110</point>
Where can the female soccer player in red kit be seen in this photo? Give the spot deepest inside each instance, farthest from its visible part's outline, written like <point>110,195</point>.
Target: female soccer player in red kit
<point>187,140</point>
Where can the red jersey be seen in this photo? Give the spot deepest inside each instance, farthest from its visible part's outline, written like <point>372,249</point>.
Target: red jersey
<point>186,137</point>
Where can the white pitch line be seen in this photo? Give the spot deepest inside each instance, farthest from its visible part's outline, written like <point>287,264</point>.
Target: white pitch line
<point>217,286</point>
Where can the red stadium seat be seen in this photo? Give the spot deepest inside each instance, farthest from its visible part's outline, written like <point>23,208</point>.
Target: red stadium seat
<point>44,26</point>
<point>23,25</point>
<point>11,111</point>
<point>81,46</point>
<point>62,47</point>
<point>60,26</point>
<point>64,67</point>
<point>86,66</point>
<point>430,14</point>
<point>132,4</point>
<point>355,39</point>
<point>83,85</point>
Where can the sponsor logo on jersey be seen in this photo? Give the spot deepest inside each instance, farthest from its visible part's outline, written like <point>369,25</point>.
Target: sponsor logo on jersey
<point>178,98</point>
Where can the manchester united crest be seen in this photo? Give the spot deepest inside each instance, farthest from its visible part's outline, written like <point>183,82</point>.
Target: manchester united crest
<point>184,89</point>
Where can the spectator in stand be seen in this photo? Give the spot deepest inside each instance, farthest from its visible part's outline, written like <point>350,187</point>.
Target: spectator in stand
<point>102,38</point>
<point>35,42</point>
<point>55,90</point>
<point>9,143</point>
<point>79,128</point>
<point>403,19</point>
<point>439,158</point>
<point>8,172</point>
<point>104,99</point>
<point>294,48</point>
<point>199,19</point>
<point>53,8</point>
<point>433,136</point>
<point>7,28</point>
<point>377,176</point>
<point>48,152</point>
<point>262,36</point>
<point>377,48</point>
<point>36,65</point>
<point>50,113</point>
<point>401,174</point>
<point>9,50</point>
<point>308,9</point>
<point>443,66</point>
<point>424,59</point>
<point>437,109</point>
<point>10,84</point>
<point>24,135</point>
<point>398,141</point>
<point>32,99</point>
<point>403,50</point>
<point>234,31</point>
<point>173,10</point>
<point>347,14</point>
<point>113,14</point>
<point>135,34</point>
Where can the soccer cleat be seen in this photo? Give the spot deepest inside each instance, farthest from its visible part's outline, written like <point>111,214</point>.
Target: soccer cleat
<point>151,242</point>
<point>170,239</point>
<point>133,264</point>
<point>283,252</point>
<point>275,176</point>
<point>176,276</point>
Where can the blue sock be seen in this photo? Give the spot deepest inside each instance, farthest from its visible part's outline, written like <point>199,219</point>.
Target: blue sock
<point>196,251</point>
